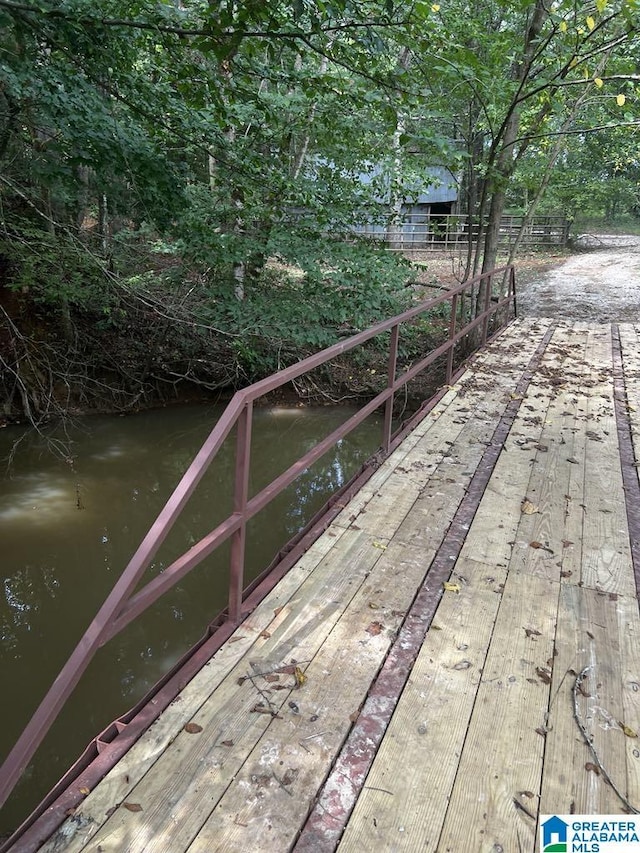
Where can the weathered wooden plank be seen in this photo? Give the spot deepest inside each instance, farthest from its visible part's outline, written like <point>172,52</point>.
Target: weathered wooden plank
<point>543,539</point>
<point>402,806</point>
<point>501,763</point>
<point>269,800</point>
<point>606,557</point>
<point>588,634</point>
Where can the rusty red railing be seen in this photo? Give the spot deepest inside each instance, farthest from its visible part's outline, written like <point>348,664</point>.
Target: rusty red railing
<point>478,306</point>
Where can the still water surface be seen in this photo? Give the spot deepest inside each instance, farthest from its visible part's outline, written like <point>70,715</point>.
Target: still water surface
<point>67,530</point>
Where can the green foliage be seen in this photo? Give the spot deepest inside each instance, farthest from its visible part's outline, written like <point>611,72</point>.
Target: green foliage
<point>316,292</point>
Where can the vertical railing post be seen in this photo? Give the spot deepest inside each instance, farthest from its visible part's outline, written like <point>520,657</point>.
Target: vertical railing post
<point>452,331</point>
<point>487,301</point>
<point>512,290</point>
<point>391,378</point>
<point>240,497</point>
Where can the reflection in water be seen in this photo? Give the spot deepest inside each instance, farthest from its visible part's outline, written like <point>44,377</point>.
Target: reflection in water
<point>68,530</point>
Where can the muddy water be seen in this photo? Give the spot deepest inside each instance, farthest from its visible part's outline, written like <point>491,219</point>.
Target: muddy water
<point>601,284</point>
<point>67,529</point>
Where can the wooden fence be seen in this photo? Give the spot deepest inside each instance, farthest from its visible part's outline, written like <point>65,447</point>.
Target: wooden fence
<point>420,232</point>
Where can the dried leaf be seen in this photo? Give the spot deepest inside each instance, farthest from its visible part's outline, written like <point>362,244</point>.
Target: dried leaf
<point>294,707</point>
<point>451,587</point>
<point>543,674</point>
<point>592,767</point>
<point>528,508</point>
<point>566,543</point>
<point>374,606</point>
<point>531,632</point>
<point>235,639</point>
<point>375,628</point>
<point>85,791</point>
<point>380,545</point>
<point>265,635</point>
<point>463,664</point>
<point>542,731</point>
<point>261,708</point>
<point>536,545</point>
<point>277,610</point>
<point>566,574</point>
<point>192,728</point>
<point>227,743</point>
<point>629,732</point>
<point>299,676</point>
<point>271,677</point>
<point>573,460</point>
<point>132,807</point>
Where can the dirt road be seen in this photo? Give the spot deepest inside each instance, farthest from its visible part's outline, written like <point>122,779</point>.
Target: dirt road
<point>599,284</point>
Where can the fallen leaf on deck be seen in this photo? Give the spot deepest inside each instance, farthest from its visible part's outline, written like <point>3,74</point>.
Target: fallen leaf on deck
<point>566,543</point>
<point>299,676</point>
<point>543,674</point>
<point>294,707</point>
<point>451,587</point>
<point>573,460</point>
<point>192,728</point>
<point>380,545</point>
<point>566,574</point>
<point>235,639</point>
<point>227,743</point>
<point>531,632</point>
<point>265,635</point>
<point>132,807</point>
<point>541,729</point>
<point>277,610</point>
<point>374,606</point>
<point>629,732</point>
<point>374,628</point>
<point>528,508</point>
<point>592,767</point>
<point>271,677</point>
<point>463,664</point>
<point>85,791</point>
<point>261,708</point>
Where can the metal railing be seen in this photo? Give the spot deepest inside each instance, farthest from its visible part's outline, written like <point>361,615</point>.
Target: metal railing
<point>476,309</point>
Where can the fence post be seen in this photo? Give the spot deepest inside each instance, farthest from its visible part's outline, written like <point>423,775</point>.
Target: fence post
<point>391,378</point>
<point>487,301</point>
<point>452,331</point>
<point>240,497</point>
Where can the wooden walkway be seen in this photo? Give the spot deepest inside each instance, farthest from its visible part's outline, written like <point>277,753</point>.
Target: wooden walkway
<point>410,684</point>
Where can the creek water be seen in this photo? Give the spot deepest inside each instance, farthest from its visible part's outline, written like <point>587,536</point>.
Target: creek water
<point>68,528</point>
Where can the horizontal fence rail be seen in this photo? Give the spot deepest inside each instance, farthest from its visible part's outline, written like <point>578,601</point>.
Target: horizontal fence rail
<point>451,232</point>
<point>476,309</point>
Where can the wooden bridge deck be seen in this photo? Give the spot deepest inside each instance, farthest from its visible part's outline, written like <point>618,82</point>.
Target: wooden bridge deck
<point>410,685</point>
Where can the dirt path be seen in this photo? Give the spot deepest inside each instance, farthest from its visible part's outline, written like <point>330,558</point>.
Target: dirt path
<point>600,284</point>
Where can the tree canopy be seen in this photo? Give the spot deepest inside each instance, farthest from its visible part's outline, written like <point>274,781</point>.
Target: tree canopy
<point>161,159</point>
